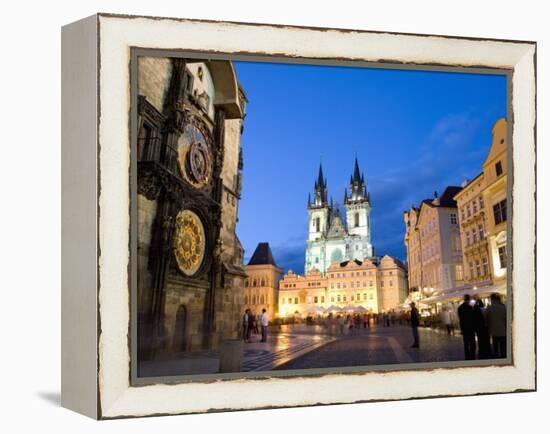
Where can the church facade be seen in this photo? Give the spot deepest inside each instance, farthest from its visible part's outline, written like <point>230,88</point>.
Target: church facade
<point>330,238</point>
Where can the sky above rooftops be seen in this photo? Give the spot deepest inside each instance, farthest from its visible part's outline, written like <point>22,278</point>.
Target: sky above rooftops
<point>413,132</point>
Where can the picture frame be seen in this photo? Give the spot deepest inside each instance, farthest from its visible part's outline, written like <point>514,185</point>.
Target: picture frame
<point>96,214</point>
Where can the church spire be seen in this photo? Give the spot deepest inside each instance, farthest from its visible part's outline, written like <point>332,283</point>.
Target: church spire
<point>320,196</point>
<point>358,186</point>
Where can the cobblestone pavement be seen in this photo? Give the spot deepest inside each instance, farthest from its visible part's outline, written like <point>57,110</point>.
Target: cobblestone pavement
<point>281,347</point>
<point>381,346</point>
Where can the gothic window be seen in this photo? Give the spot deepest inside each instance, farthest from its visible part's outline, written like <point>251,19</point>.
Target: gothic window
<point>317,224</point>
<point>356,219</point>
<point>262,282</point>
<point>254,283</point>
<point>261,299</point>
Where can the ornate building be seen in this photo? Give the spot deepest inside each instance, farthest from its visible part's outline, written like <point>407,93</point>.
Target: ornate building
<point>330,239</point>
<point>262,283</point>
<point>374,285</point>
<point>190,274</point>
<point>483,215</point>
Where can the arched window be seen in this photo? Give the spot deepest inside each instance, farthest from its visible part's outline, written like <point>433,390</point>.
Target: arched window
<point>254,283</point>
<point>262,282</point>
<point>246,299</point>
<point>262,299</point>
<point>356,217</point>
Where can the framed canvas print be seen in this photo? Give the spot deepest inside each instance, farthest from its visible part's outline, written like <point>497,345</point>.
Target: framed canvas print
<point>260,216</point>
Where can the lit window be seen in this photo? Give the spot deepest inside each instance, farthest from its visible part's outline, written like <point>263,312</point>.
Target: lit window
<point>502,256</point>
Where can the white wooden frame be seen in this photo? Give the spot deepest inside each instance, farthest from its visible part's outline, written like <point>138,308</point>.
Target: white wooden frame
<point>96,217</point>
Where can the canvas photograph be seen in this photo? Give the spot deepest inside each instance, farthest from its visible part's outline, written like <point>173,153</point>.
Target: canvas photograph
<point>292,218</point>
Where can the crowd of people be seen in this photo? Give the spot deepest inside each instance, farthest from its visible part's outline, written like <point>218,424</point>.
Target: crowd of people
<point>483,328</point>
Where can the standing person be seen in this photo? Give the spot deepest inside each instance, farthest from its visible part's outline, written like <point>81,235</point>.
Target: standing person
<point>496,324</point>
<point>480,328</point>
<point>415,322</point>
<point>446,320</point>
<point>245,325</point>
<point>250,325</point>
<point>466,319</point>
<point>341,324</point>
<point>264,321</point>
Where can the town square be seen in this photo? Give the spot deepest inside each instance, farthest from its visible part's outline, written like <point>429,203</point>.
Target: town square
<point>265,243</point>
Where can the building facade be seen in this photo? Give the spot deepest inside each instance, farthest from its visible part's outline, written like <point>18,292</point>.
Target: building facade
<point>495,199</point>
<point>262,282</point>
<point>473,230</point>
<point>330,238</point>
<point>374,285</point>
<point>432,238</point>
<point>483,216</point>
<point>190,275</point>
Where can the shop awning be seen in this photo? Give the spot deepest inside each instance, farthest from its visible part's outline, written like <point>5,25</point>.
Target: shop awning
<point>458,293</point>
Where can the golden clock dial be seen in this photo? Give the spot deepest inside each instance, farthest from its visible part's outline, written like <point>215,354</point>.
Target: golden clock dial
<point>190,242</point>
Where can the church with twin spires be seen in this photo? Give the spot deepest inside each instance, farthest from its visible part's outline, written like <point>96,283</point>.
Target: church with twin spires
<point>331,238</point>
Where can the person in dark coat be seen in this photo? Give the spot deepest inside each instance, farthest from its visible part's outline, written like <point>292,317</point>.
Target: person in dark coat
<point>466,319</point>
<point>496,324</point>
<point>245,325</point>
<point>415,322</point>
<point>480,328</point>
<point>251,319</point>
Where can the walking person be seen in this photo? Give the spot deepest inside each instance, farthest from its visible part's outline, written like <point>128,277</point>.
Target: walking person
<point>264,321</point>
<point>446,320</point>
<point>415,322</point>
<point>496,324</point>
<point>466,319</point>
<point>480,328</point>
<point>245,325</point>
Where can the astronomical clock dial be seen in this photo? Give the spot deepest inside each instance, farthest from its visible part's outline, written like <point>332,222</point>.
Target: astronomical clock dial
<point>190,242</point>
<point>194,157</point>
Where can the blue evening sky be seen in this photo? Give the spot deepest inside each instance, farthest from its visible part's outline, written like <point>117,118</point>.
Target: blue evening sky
<point>413,132</point>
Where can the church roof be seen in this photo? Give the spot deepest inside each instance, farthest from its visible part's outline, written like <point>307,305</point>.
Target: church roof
<point>262,256</point>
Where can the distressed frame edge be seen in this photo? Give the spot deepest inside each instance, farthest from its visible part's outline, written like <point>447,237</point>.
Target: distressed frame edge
<point>529,385</point>
<point>79,271</point>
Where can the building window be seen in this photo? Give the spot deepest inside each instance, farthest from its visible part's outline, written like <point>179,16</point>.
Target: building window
<point>358,284</point>
<point>356,219</point>
<point>358,297</point>
<point>462,214</point>
<point>485,267</point>
<point>498,168</point>
<point>344,298</point>
<point>372,296</point>
<point>332,285</point>
<point>332,299</point>
<point>317,224</point>
<point>481,203</point>
<point>352,285</point>
<point>365,296</point>
<point>478,267</point>
<point>472,274</point>
<point>338,298</point>
<point>381,284</point>
<point>352,274</point>
<point>458,272</point>
<point>370,282</point>
<point>502,256</point>
<point>474,235</point>
<point>322,299</point>
<point>316,299</point>
<point>338,285</point>
<point>246,283</point>
<point>468,211</point>
<point>352,298</point>
<point>468,238</point>
<point>453,218</point>
<point>481,232</point>
<point>295,300</point>
<point>246,299</point>
<point>499,211</point>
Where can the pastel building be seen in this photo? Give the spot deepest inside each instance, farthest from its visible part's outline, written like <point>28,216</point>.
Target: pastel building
<point>434,249</point>
<point>373,285</point>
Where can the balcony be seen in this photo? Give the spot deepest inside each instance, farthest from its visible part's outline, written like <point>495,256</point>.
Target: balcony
<point>151,150</point>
